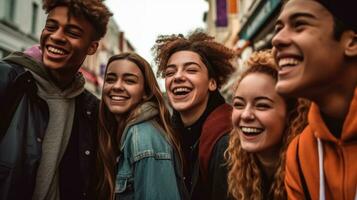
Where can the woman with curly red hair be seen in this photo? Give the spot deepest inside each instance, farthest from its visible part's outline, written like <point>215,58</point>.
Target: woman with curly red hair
<point>263,125</point>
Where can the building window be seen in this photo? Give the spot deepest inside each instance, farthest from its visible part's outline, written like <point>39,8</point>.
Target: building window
<point>10,9</point>
<point>34,18</point>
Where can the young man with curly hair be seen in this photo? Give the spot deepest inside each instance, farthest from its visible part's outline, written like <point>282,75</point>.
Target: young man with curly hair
<point>48,119</point>
<point>194,68</point>
<point>316,50</point>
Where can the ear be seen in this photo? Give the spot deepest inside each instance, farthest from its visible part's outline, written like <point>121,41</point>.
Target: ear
<point>351,44</point>
<point>212,85</point>
<point>93,48</point>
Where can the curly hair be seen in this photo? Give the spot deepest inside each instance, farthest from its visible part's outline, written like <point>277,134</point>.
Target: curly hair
<point>245,176</point>
<point>214,55</point>
<point>94,11</point>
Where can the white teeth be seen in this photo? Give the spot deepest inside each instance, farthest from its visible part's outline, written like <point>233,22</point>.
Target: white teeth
<point>56,51</point>
<point>288,61</point>
<point>250,130</point>
<point>181,90</point>
<point>117,98</point>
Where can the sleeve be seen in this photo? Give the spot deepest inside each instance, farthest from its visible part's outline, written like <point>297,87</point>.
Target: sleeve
<point>218,170</point>
<point>155,179</point>
<point>292,178</point>
<point>6,76</point>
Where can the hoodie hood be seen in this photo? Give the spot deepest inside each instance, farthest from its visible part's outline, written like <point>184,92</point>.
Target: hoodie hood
<point>147,111</point>
<point>42,77</point>
<point>349,130</point>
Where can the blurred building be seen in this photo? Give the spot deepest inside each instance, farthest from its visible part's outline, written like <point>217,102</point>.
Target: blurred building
<point>21,23</point>
<point>243,25</point>
<point>93,69</point>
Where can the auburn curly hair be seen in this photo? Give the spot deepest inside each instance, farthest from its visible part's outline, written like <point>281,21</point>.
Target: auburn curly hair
<point>214,55</point>
<point>244,175</point>
<point>94,11</point>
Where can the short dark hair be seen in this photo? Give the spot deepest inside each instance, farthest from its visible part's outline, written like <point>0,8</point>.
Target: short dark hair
<point>338,28</point>
<point>94,11</point>
<point>214,55</point>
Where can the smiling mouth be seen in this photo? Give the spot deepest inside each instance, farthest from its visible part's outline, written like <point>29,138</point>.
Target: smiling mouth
<point>56,51</point>
<point>289,62</point>
<point>251,131</point>
<point>118,98</point>
<point>181,91</point>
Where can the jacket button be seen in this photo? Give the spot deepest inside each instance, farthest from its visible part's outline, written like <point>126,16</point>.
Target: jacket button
<point>89,112</point>
<point>87,152</point>
<point>38,139</point>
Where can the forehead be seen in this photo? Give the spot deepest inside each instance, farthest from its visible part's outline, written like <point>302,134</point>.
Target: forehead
<point>61,15</point>
<point>311,7</point>
<point>181,57</point>
<point>257,84</point>
<point>124,67</point>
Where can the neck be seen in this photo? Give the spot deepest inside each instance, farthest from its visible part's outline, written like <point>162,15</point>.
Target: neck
<point>62,78</point>
<point>191,116</point>
<point>334,99</point>
<point>269,161</point>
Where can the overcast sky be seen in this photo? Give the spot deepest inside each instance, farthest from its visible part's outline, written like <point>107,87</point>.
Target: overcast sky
<point>143,20</point>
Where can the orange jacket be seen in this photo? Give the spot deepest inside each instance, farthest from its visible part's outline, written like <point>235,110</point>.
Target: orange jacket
<point>339,159</point>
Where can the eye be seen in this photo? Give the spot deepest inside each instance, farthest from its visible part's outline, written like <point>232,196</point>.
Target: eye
<point>169,72</point>
<point>299,24</point>
<point>130,81</point>
<point>263,106</point>
<point>238,105</point>
<point>192,70</point>
<point>73,32</point>
<point>277,28</point>
<point>110,79</point>
<point>50,26</point>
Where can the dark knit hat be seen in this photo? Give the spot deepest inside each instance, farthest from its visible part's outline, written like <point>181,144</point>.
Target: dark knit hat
<point>344,10</point>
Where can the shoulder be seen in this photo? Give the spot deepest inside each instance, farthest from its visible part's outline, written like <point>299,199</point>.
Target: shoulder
<point>221,144</point>
<point>145,139</point>
<point>88,101</point>
<point>9,71</point>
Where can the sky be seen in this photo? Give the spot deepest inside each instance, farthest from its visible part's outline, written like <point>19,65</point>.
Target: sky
<point>143,20</point>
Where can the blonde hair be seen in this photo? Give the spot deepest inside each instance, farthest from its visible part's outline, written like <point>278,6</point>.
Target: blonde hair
<point>244,174</point>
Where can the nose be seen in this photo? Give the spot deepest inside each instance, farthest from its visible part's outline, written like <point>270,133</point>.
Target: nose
<point>118,85</point>
<point>281,39</point>
<point>179,76</point>
<point>247,114</point>
<point>58,36</point>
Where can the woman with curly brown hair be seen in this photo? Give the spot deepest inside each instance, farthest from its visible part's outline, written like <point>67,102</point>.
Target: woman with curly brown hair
<point>264,123</point>
<point>194,68</point>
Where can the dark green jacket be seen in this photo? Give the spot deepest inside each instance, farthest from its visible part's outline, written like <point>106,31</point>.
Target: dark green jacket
<point>22,131</point>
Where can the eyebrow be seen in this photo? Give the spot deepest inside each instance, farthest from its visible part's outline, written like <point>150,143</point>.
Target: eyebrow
<point>72,26</point>
<point>68,26</point>
<point>263,98</point>
<point>255,99</point>
<point>297,15</point>
<point>185,64</point>
<point>124,74</point>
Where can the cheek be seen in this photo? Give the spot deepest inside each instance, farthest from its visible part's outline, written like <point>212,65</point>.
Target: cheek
<point>236,118</point>
<point>167,84</point>
<point>138,93</point>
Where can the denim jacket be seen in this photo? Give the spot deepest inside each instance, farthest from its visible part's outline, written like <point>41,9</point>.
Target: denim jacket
<point>146,165</point>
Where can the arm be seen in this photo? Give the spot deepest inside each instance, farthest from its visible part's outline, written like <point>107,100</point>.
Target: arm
<point>218,170</point>
<point>292,178</point>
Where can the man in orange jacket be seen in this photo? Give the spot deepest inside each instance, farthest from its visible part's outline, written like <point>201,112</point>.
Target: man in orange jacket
<point>316,49</point>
